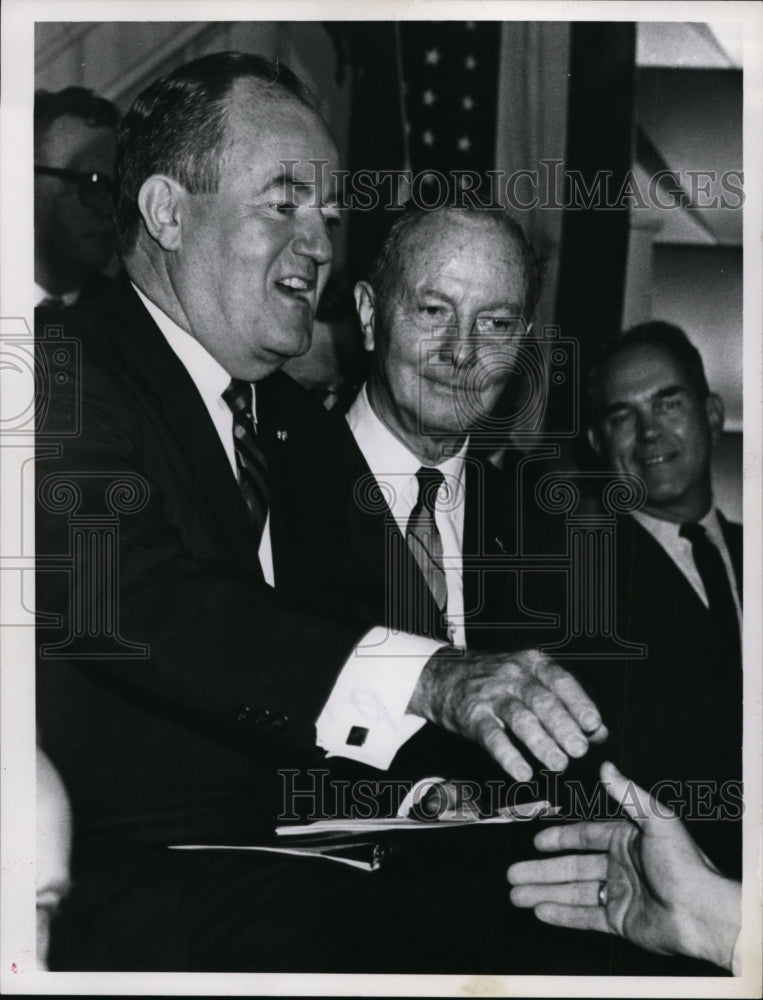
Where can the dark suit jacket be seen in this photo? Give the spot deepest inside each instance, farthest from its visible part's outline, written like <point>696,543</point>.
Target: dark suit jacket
<point>181,742</point>
<point>675,716</point>
<point>375,575</point>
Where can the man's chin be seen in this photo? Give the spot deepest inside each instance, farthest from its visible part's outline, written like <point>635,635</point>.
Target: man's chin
<point>296,346</point>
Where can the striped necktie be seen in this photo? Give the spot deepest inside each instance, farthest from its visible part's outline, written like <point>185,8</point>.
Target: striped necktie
<point>250,461</point>
<point>423,537</point>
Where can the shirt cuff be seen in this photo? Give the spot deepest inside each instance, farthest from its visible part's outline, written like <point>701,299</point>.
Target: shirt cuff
<point>365,717</point>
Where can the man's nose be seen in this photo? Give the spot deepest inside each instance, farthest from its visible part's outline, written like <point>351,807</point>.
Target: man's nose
<point>312,239</point>
<point>647,425</point>
<point>465,348</point>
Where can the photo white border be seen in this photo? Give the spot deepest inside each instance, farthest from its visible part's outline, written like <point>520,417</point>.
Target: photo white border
<point>17,919</point>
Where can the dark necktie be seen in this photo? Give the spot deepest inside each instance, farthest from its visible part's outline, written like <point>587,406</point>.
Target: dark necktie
<point>422,535</point>
<point>715,579</point>
<point>250,461</point>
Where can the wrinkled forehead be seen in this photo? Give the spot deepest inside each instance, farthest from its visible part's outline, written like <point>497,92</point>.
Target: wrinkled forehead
<point>454,247</point>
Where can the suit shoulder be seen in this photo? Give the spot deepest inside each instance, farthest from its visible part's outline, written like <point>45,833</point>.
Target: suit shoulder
<point>281,398</point>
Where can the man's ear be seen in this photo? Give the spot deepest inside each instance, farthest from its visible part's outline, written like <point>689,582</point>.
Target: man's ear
<point>160,202</point>
<point>365,304</point>
<point>716,414</point>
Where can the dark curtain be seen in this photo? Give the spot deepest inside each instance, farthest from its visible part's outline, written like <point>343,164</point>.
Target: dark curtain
<point>600,147</point>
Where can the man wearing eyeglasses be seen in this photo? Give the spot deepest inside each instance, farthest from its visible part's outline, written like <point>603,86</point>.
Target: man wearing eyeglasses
<point>74,148</point>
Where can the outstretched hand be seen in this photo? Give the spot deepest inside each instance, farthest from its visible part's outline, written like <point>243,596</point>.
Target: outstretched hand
<point>658,888</point>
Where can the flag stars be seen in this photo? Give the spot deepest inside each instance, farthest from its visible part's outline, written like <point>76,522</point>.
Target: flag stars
<point>428,138</point>
<point>432,57</point>
<point>428,97</point>
<point>464,144</point>
<point>470,62</point>
<point>467,103</point>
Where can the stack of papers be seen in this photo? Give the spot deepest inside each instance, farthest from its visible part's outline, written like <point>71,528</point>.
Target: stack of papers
<point>367,854</point>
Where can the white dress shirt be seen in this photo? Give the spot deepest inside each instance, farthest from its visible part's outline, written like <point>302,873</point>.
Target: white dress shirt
<point>680,550</point>
<point>394,468</point>
<point>374,687</point>
<point>211,380</point>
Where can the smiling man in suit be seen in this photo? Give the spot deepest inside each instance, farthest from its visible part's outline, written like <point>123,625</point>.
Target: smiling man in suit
<point>445,312</point>
<point>183,677</point>
<point>676,708</point>
<point>679,578</point>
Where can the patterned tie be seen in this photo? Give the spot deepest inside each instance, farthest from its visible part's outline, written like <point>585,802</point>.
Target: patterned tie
<point>423,538</point>
<point>715,579</point>
<point>250,461</point>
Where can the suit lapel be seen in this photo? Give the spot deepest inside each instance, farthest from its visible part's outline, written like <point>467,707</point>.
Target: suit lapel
<point>649,565</point>
<point>203,464</point>
<point>489,529</point>
<point>388,582</point>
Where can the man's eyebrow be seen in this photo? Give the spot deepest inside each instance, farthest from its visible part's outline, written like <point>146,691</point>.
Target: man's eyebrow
<point>280,183</point>
<point>666,392</point>
<point>512,307</point>
<point>615,407</point>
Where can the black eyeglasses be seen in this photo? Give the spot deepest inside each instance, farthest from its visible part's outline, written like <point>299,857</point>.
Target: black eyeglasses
<point>95,190</point>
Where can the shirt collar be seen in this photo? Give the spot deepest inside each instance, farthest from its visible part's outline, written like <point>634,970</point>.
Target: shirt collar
<point>670,529</point>
<point>385,453</point>
<point>208,375</point>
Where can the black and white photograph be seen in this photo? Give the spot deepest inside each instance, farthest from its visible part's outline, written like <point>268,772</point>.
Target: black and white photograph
<point>381,540</point>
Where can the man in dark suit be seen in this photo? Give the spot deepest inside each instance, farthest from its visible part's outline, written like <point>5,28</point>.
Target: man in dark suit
<point>447,307</point>
<point>675,709</point>
<point>679,578</point>
<point>182,671</point>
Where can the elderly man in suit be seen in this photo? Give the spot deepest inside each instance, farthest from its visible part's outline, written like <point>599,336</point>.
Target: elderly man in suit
<point>447,308</point>
<point>186,670</point>
<point>430,524</point>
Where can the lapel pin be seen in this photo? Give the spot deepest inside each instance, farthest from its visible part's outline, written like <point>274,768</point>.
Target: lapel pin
<point>282,435</point>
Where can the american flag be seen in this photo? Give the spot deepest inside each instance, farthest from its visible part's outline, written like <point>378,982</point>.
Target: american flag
<point>450,72</point>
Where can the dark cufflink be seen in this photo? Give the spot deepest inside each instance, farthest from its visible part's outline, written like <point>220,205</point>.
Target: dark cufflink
<point>357,736</point>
